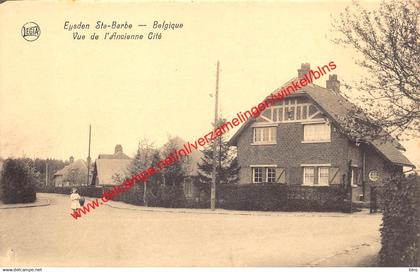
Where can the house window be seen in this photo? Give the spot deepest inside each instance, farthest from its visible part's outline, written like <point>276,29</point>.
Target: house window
<point>271,174</point>
<point>266,174</point>
<point>263,135</point>
<point>308,176</point>
<point>323,175</point>
<point>257,175</point>
<point>316,175</point>
<point>317,132</point>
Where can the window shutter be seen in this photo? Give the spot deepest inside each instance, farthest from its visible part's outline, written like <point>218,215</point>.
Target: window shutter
<point>295,175</point>
<point>280,175</point>
<point>335,177</point>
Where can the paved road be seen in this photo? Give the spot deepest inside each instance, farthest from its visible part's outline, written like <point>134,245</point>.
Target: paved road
<point>49,236</point>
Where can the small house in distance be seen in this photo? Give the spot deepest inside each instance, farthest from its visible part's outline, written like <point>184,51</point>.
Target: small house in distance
<point>111,169</point>
<point>191,191</point>
<point>74,174</point>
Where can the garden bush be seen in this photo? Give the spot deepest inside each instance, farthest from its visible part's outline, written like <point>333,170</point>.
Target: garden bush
<point>400,229</point>
<point>280,197</point>
<point>17,182</point>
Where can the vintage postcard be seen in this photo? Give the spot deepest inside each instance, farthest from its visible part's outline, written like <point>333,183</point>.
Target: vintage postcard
<point>209,134</point>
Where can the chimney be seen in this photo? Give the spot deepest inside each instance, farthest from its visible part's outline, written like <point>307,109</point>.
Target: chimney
<point>118,149</point>
<point>304,69</point>
<point>71,159</point>
<point>333,83</point>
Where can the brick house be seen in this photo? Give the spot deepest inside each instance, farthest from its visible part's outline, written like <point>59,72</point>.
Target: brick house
<point>297,142</point>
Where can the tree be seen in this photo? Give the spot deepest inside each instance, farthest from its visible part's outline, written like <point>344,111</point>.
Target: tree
<point>53,166</point>
<point>227,168</point>
<point>142,161</point>
<point>174,175</point>
<point>143,158</point>
<point>37,181</point>
<point>18,181</point>
<point>154,183</point>
<point>387,40</point>
<point>75,176</point>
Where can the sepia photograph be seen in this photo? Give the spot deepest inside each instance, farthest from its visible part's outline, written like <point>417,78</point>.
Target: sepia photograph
<point>209,135</point>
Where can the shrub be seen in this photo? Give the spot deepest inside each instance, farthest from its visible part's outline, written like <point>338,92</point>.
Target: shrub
<point>400,227</point>
<point>168,197</point>
<point>280,197</point>
<point>17,182</point>
<point>89,191</point>
<point>132,196</point>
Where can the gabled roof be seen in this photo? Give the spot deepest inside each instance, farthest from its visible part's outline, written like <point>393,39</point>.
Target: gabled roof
<point>60,172</point>
<point>391,152</point>
<point>108,169</point>
<point>79,165</point>
<point>233,140</point>
<point>335,106</point>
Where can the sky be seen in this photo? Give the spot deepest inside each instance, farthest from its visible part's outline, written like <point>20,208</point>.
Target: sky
<point>51,89</point>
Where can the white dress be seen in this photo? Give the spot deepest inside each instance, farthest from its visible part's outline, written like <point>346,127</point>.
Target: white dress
<point>75,201</point>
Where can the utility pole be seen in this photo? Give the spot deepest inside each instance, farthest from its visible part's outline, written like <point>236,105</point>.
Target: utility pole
<point>88,158</point>
<point>216,117</point>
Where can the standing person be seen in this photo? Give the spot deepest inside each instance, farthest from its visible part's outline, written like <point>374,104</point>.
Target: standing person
<point>74,197</point>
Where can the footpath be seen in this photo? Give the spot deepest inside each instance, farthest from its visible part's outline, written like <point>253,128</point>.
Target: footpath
<point>126,206</point>
<point>39,202</point>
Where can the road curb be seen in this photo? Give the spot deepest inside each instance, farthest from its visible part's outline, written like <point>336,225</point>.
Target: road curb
<point>228,212</point>
<point>45,202</point>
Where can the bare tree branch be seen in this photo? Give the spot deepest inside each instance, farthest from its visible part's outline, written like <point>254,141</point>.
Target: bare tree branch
<point>388,41</point>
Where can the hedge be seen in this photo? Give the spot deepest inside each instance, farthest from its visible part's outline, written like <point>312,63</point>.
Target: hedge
<point>17,182</point>
<point>257,197</point>
<point>89,191</point>
<point>170,197</point>
<point>400,229</point>
<point>281,197</point>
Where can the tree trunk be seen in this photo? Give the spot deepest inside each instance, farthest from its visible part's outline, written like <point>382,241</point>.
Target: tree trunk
<point>145,194</point>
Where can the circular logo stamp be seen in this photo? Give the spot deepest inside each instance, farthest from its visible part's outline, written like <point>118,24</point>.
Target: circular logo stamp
<point>30,31</point>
